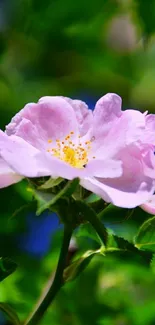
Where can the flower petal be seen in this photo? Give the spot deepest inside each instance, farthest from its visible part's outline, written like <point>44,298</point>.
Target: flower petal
<point>83,114</point>
<point>148,136</point>
<point>107,109</point>
<point>112,191</point>
<point>105,168</point>
<point>7,175</point>
<point>51,118</point>
<point>148,160</point>
<point>111,133</point>
<point>149,206</point>
<point>131,189</point>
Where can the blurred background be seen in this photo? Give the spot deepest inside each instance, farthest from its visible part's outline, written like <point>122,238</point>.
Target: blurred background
<point>80,49</point>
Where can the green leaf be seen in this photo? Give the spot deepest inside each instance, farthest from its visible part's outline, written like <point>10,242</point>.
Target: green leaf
<point>115,214</point>
<point>7,267</point>
<point>74,270</point>
<point>115,242</point>
<point>121,221</point>
<point>118,245</point>
<point>50,183</point>
<point>42,198</point>
<point>10,313</point>
<point>89,214</point>
<point>86,230</point>
<point>92,198</point>
<point>145,239</point>
<point>46,199</point>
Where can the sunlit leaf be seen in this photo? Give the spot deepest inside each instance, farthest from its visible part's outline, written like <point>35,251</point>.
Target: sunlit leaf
<point>42,198</point>
<point>46,200</point>
<point>145,239</point>
<point>50,183</point>
<point>115,243</point>
<point>92,198</point>
<point>74,270</point>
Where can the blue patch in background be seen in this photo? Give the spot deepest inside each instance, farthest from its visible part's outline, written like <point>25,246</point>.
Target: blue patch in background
<point>89,100</point>
<point>36,241</point>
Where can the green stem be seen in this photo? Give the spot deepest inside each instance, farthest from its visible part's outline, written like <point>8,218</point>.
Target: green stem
<point>98,226</point>
<point>47,298</point>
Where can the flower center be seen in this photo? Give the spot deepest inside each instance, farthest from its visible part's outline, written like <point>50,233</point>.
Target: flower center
<point>75,155</point>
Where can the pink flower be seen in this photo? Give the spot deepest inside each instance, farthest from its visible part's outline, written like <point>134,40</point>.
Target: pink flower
<point>109,150</point>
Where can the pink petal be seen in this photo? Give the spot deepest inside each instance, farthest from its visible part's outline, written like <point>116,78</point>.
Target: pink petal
<point>112,129</point>
<point>131,189</point>
<point>107,108</point>
<point>7,175</point>
<point>148,136</point>
<point>121,134</point>
<point>107,111</point>
<point>148,161</point>
<point>105,168</point>
<point>83,114</point>
<point>125,197</point>
<point>149,206</point>
<point>135,125</point>
<point>50,118</point>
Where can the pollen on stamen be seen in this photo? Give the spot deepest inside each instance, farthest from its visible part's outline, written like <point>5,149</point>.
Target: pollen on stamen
<point>94,157</point>
<point>74,154</point>
<point>49,140</point>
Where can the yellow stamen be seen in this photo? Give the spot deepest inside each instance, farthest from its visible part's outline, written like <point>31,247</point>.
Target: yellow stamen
<point>75,155</point>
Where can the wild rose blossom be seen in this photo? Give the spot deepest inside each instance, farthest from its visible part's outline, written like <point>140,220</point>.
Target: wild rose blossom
<point>111,151</point>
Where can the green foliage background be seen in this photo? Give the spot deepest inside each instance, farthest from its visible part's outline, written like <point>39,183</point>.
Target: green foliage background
<point>78,49</point>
